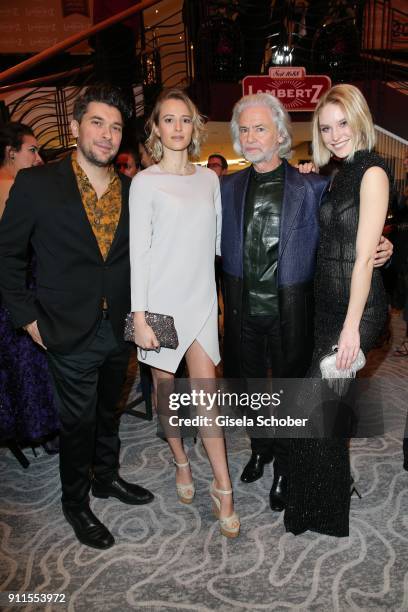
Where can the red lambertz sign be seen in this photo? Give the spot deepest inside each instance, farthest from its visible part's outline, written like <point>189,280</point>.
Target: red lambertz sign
<point>296,90</point>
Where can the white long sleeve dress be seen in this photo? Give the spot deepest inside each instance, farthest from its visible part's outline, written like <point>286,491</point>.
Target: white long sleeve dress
<point>175,228</point>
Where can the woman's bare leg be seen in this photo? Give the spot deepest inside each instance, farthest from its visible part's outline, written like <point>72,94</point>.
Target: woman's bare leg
<point>183,475</point>
<point>200,366</point>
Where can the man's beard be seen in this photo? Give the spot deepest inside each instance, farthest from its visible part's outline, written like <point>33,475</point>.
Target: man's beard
<point>93,159</point>
<point>261,156</point>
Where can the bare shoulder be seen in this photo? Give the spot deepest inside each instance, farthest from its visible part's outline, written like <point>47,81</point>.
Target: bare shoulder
<point>375,184</point>
<point>375,174</point>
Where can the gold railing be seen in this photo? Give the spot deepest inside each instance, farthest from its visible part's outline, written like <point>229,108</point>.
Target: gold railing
<point>73,40</point>
<point>45,103</point>
<point>394,149</point>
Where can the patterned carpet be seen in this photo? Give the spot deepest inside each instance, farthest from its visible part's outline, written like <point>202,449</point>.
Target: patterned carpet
<point>172,557</point>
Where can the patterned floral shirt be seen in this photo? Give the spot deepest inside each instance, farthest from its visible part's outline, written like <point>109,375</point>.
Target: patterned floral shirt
<point>103,213</point>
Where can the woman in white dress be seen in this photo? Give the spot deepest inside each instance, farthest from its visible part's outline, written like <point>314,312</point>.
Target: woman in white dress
<point>175,224</point>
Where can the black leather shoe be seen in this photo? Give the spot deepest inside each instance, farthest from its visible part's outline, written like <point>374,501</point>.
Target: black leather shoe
<point>88,529</point>
<point>277,496</point>
<point>254,469</point>
<point>127,492</point>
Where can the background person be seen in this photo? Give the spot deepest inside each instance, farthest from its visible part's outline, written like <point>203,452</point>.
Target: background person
<point>146,158</point>
<point>27,408</point>
<point>128,162</point>
<point>218,163</point>
<point>400,263</point>
<point>174,229</point>
<point>18,149</point>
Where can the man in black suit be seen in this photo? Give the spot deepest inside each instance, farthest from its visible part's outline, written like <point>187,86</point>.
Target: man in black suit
<point>75,216</point>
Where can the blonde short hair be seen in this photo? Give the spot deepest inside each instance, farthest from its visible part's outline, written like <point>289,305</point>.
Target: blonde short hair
<point>358,117</point>
<point>153,142</point>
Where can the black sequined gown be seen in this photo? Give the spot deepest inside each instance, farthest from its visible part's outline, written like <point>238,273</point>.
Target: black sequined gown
<point>319,483</point>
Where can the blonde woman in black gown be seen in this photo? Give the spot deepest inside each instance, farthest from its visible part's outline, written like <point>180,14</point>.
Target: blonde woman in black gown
<point>350,301</point>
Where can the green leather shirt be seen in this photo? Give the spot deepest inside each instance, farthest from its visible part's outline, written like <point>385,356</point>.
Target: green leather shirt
<point>263,206</point>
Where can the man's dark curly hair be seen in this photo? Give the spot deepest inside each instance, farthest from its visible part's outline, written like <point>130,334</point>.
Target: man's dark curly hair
<point>112,96</point>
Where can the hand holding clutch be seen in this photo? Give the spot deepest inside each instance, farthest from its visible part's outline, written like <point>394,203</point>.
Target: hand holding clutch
<point>143,335</point>
<point>335,377</point>
<point>162,326</point>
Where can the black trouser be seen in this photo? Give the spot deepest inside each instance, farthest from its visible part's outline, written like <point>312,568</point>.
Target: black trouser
<point>261,349</point>
<point>88,386</point>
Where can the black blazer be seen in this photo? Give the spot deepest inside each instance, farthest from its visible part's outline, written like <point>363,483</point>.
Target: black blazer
<point>298,242</point>
<point>45,209</point>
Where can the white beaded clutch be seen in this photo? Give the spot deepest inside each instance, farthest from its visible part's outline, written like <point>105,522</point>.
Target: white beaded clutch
<point>337,379</point>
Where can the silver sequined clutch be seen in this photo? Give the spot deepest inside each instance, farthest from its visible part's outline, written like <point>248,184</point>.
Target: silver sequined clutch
<point>338,379</point>
<point>162,325</point>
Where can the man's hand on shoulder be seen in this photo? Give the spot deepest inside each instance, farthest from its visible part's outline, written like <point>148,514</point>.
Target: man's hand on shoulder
<point>384,252</point>
<point>32,329</point>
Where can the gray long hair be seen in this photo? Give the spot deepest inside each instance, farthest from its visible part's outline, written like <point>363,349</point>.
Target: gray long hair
<point>279,114</point>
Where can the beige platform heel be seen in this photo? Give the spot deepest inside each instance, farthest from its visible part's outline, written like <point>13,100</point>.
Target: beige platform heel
<point>185,492</point>
<point>229,525</point>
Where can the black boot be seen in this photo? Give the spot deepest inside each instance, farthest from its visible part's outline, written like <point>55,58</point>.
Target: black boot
<point>254,469</point>
<point>277,496</point>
